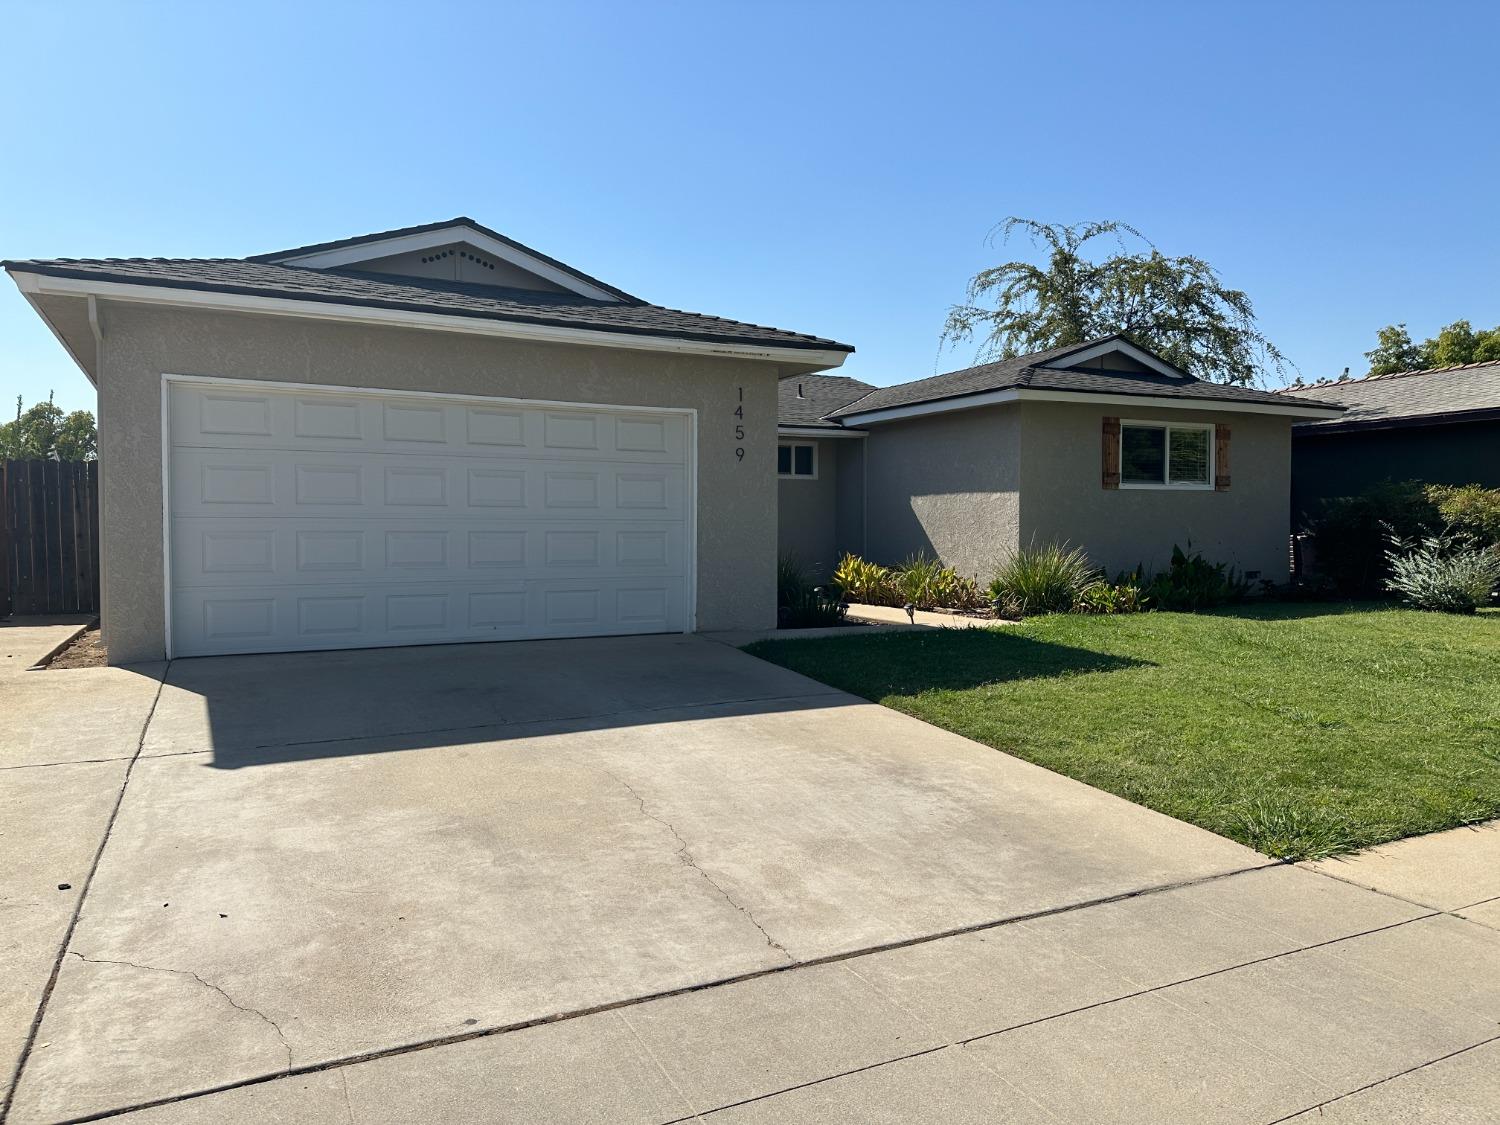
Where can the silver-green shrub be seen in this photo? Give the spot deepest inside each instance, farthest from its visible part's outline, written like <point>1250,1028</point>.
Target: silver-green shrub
<point>1444,572</point>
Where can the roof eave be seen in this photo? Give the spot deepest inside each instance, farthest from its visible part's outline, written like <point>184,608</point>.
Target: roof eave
<point>1405,422</point>
<point>1003,395</point>
<point>807,357</point>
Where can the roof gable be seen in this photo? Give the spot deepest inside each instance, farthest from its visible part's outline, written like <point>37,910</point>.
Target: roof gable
<point>1110,367</point>
<point>458,249</point>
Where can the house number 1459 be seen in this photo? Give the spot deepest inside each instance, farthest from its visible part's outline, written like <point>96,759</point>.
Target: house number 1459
<point>739,426</point>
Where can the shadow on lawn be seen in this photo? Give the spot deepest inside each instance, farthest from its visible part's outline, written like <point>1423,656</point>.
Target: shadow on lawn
<point>943,660</point>
<point>1296,610</point>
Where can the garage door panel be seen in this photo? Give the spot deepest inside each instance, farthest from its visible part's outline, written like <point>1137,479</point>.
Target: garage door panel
<point>220,551</point>
<point>219,619</point>
<point>246,418</point>
<point>208,482</point>
<point>324,520</point>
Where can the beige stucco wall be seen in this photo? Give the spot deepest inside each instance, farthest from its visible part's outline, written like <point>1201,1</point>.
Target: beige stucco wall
<point>1063,497</point>
<point>736,512</point>
<point>808,513</point>
<point>947,485</point>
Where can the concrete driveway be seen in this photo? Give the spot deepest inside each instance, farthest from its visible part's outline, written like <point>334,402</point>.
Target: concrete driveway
<point>625,879</point>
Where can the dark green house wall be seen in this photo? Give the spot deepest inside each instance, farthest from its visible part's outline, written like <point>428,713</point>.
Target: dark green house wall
<point>1343,464</point>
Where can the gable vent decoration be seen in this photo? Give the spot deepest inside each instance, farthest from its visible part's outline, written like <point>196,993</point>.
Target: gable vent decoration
<point>475,258</point>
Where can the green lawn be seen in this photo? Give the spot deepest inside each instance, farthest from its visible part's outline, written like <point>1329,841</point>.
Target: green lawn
<point>1300,730</point>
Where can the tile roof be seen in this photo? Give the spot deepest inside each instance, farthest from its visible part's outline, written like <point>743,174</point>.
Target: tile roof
<point>820,396</point>
<point>418,294</point>
<point>1408,396</point>
<point>1034,372</point>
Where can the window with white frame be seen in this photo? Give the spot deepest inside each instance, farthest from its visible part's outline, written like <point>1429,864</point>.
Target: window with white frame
<point>797,459</point>
<point>1166,455</point>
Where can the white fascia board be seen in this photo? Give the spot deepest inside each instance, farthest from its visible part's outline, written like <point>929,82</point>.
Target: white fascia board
<point>1140,355</point>
<point>1166,402</point>
<point>431,239</point>
<point>1155,402</point>
<point>403,318</point>
<point>817,432</point>
<point>937,406</point>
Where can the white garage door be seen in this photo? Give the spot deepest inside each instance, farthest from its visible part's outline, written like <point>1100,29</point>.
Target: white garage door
<point>305,519</point>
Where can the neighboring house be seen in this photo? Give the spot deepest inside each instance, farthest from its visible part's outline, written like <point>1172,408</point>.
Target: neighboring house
<point>1104,445</point>
<point>1441,426</point>
<point>425,435</point>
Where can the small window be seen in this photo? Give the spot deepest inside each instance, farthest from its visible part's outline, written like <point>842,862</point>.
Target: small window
<point>1160,455</point>
<point>797,459</point>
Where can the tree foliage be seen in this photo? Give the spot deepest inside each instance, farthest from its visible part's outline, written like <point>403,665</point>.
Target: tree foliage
<point>1454,345</point>
<point>1176,306</point>
<point>45,433</point>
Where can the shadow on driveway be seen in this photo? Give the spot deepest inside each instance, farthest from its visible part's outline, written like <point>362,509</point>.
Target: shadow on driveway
<point>254,710</point>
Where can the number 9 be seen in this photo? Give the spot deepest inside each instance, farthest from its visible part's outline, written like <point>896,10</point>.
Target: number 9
<point>740,453</point>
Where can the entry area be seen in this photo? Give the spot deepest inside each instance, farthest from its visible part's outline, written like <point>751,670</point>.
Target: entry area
<point>303,518</point>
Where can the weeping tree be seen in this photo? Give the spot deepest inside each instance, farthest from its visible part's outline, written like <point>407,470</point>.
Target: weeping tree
<point>1176,306</point>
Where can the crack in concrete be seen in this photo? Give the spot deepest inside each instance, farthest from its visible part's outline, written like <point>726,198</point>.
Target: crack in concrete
<point>685,856</point>
<point>233,1003</point>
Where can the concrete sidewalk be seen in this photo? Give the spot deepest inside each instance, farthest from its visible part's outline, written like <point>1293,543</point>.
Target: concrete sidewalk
<point>1256,997</point>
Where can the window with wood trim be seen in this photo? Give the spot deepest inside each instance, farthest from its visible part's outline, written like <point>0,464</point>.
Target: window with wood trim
<point>1166,455</point>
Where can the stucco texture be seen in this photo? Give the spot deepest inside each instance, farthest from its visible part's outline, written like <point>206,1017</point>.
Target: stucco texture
<point>947,485</point>
<point>972,486</point>
<point>736,509</point>
<point>808,512</point>
<point>1063,497</point>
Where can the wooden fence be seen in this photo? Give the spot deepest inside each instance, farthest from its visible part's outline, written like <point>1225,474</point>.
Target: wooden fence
<point>49,537</point>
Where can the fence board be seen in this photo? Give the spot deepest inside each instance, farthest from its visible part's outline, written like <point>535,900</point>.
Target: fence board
<point>49,537</point>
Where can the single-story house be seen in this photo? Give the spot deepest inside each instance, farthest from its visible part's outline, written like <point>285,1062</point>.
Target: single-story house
<point>424,435</point>
<point>1441,426</point>
<point>1103,445</point>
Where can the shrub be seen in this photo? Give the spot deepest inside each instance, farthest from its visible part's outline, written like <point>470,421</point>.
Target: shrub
<point>1048,579</point>
<point>801,605</point>
<point>861,581</point>
<point>1192,583</point>
<point>920,581</point>
<point>1111,597</point>
<point>1448,572</point>
<point>1349,533</point>
<point>1468,509</point>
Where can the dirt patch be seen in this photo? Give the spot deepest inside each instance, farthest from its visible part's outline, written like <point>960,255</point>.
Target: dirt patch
<point>85,651</point>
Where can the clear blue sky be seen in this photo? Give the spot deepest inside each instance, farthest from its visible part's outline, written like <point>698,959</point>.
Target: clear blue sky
<point>829,168</point>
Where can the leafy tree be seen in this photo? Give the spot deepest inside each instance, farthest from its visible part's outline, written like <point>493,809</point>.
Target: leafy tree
<point>44,432</point>
<point>1176,306</point>
<point>1394,351</point>
<point>1454,345</point>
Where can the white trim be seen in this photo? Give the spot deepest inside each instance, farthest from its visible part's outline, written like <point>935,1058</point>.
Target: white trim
<point>30,283</point>
<point>1140,355</point>
<point>690,530</point>
<point>61,339</point>
<point>1167,485</point>
<point>793,446</point>
<point>936,406</point>
<point>818,432</point>
<point>431,239</point>
<point>1153,402</point>
<point>166,506</point>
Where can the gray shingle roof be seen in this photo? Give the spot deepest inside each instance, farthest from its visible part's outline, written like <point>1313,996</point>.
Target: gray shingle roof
<point>416,294</point>
<point>1036,372</point>
<point>460,221</point>
<point>821,395</point>
<point>1407,397</point>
